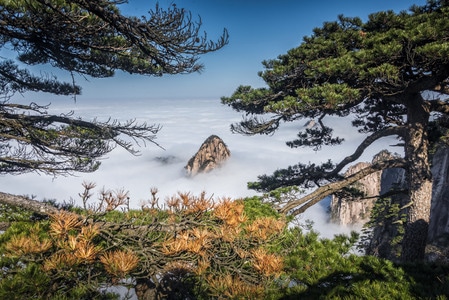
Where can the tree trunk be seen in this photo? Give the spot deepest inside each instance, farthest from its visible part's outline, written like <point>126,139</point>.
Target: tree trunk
<point>419,181</point>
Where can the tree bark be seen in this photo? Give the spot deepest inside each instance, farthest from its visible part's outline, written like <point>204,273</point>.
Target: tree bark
<point>419,180</point>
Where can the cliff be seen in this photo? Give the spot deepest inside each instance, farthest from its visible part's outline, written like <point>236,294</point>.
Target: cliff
<point>356,210</point>
<point>345,211</point>
<point>439,214</point>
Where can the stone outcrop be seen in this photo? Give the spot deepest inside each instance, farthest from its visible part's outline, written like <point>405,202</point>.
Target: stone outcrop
<point>345,211</point>
<point>166,160</point>
<point>351,211</point>
<point>310,124</point>
<point>212,154</point>
<point>356,210</point>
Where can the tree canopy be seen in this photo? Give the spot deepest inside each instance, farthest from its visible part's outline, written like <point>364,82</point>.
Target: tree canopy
<point>389,73</point>
<point>89,38</point>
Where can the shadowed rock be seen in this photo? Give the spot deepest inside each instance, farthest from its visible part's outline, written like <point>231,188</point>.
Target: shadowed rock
<point>439,214</point>
<point>212,154</point>
<point>310,124</point>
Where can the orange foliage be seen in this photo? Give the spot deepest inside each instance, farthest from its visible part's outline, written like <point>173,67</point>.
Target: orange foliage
<point>230,212</point>
<point>63,222</point>
<point>22,245</point>
<point>265,227</point>
<point>265,263</point>
<point>234,288</point>
<point>119,263</point>
<point>59,261</point>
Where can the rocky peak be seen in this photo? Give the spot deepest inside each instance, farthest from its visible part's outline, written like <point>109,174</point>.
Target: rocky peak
<point>212,154</point>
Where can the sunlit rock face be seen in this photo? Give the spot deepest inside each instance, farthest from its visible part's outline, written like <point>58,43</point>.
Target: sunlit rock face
<point>212,154</point>
<point>348,211</point>
<point>356,210</point>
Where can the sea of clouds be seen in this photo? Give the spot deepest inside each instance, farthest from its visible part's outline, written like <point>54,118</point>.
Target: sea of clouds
<point>186,123</point>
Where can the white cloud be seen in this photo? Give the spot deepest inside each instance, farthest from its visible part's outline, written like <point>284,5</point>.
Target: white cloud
<point>186,124</point>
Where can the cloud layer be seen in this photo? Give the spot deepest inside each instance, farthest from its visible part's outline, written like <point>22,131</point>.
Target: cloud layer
<point>185,125</point>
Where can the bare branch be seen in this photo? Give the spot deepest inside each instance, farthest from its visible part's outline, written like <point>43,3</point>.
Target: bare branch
<point>399,131</point>
<point>36,141</point>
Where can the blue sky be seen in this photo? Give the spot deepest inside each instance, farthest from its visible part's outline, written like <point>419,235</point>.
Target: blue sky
<point>258,30</point>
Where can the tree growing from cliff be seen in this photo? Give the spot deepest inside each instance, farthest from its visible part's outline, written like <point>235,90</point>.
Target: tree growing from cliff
<point>87,38</point>
<point>390,74</point>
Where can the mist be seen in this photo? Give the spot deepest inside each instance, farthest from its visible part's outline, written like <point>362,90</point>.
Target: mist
<point>186,123</point>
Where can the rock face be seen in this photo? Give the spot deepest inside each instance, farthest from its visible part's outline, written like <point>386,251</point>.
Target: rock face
<point>212,153</point>
<point>346,211</point>
<point>349,211</point>
<point>358,210</point>
<point>439,213</point>
<point>310,124</point>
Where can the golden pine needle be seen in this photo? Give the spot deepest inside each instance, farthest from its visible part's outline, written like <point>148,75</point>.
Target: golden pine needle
<point>89,232</point>
<point>58,261</point>
<point>22,245</point>
<point>63,222</point>
<point>119,263</point>
<point>86,251</point>
<point>267,264</point>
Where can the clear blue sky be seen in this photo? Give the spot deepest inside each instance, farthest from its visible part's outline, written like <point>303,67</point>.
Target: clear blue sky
<point>258,29</point>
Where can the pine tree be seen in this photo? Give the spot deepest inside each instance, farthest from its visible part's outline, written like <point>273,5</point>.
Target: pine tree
<point>389,73</point>
<point>89,38</point>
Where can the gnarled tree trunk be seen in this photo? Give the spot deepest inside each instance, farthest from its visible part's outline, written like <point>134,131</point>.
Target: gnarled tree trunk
<point>419,179</point>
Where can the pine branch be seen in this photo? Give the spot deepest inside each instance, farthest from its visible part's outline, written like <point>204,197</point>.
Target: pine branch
<point>333,187</point>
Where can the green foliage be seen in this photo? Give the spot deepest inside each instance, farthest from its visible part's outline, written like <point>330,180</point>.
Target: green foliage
<point>137,217</point>
<point>347,66</point>
<point>388,74</point>
<point>28,281</point>
<point>383,233</point>
<point>255,208</point>
<point>11,214</point>
<point>313,267</point>
<point>328,269</point>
